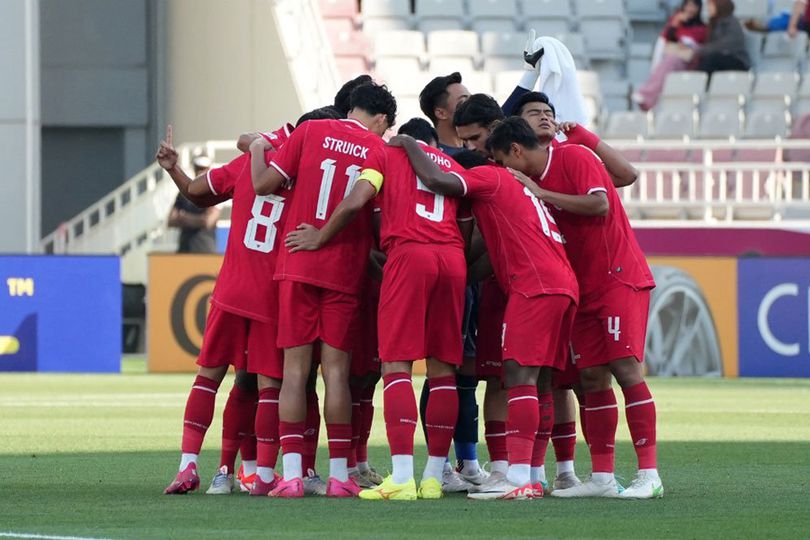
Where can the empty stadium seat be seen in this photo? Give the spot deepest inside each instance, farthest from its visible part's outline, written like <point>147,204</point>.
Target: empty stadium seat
<point>505,82</point>
<point>407,108</point>
<point>400,43</point>
<point>478,82</point>
<point>783,53</point>
<point>502,51</point>
<point>674,125</point>
<point>434,15</point>
<point>751,9</point>
<point>385,15</point>
<point>731,83</point>
<point>627,125</point>
<point>766,125</point>
<point>604,25</point>
<point>345,40</point>
<point>774,92</point>
<point>685,83</point>
<point>720,125</point>
<point>406,84</point>
<point>640,62</point>
<point>679,103</point>
<point>753,44</point>
<point>452,43</point>
<point>338,8</point>
<point>645,10</point>
<point>389,66</point>
<point>615,94</point>
<point>350,67</point>
<point>449,64</point>
<point>548,17</point>
<point>493,15</point>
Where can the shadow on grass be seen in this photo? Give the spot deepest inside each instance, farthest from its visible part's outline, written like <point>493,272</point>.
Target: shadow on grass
<point>713,489</point>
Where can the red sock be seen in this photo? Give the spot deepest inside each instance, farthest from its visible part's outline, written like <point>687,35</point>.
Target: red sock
<point>521,424</point>
<point>237,422</point>
<point>267,428</point>
<point>546,413</point>
<point>367,408</point>
<point>441,416</point>
<point>340,440</point>
<point>199,413</point>
<point>640,411</point>
<point>311,433</point>
<point>291,435</point>
<point>400,412</point>
<point>495,434</point>
<point>248,450</point>
<point>583,421</point>
<point>357,425</point>
<point>603,418</point>
<point>564,439</point>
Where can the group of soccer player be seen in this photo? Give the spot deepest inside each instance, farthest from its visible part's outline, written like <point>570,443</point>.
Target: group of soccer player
<point>480,243</point>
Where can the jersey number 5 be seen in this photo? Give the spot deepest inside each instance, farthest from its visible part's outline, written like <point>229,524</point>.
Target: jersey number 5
<point>438,204</point>
<point>263,239</point>
<point>328,168</point>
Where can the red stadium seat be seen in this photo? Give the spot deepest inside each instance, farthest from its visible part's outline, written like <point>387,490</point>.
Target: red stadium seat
<point>338,8</point>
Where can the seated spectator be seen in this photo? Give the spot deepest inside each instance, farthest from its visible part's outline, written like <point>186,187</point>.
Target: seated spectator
<point>792,21</point>
<point>724,50</point>
<point>197,225</point>
<point>684,32</point>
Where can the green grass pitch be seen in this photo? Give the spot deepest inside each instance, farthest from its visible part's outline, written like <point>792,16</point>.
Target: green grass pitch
<point>89,456</point>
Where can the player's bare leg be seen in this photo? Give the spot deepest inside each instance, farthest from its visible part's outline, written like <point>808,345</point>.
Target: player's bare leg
<point>601,420</point>
<point>335,369</point>
<point>237,424</point>
<point>523,417</point>
<point>313,484</point>
<point>267,437</point>
<point>292,412</point>
<point>641,419</point>
<point>197,417</point>
<point>564,437</point>
<point>495,414</point>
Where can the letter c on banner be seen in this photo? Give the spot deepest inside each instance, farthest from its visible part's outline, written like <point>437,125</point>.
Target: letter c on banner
<point>178,310</point>
<point>779,347</point>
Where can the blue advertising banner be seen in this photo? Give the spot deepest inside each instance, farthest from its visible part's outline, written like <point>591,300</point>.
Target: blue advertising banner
<point>774,327</point>
<point>60,313</point>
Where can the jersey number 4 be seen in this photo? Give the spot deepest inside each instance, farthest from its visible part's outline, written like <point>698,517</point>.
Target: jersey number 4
<point>328,168</point>
<point>260,233</point>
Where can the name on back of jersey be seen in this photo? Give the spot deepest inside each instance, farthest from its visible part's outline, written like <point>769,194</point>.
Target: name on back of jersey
<point>345,147</point>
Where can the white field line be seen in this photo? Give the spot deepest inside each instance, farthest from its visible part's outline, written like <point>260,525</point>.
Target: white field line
<point>47,536</point>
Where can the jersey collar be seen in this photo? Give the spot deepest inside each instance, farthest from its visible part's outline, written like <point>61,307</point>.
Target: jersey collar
<point>548,163</point>
<point>353,121</point>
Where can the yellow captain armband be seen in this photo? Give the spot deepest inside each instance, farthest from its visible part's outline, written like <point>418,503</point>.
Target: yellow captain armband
<point>375,178</point>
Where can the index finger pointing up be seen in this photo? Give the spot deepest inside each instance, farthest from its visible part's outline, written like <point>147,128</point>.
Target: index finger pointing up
<point>169,134</point>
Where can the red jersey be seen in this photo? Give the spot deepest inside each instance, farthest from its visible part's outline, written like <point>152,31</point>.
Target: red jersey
<point>278,137</point>
<point>323,159</point>
<point>244,283</point>
<point>602,250</point>
<point>524,244</point>
<point>411,213</point>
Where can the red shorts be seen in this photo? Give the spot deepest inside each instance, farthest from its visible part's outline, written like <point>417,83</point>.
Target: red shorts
<point>365,356</point>
<point>308,313</point>
<point>244,343</point>
<point>568,377</point>
<point>489,342</point>
<point>611,326</point>
<point>536,330</point>
<point>422,304</point>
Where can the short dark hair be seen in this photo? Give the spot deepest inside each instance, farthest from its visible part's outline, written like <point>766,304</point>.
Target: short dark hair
<point>435,94</point>
<point>533,97</point>
<point>374,99</point>
<point>420,129</point>
<point>478,109</point>
<point>469,159</point>
<point>512,130</point>
<point>321,113</point>
<point>342,103</point>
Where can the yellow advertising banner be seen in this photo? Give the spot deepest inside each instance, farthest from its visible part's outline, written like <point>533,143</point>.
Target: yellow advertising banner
<point>693,325</point>
<point>179,291</point>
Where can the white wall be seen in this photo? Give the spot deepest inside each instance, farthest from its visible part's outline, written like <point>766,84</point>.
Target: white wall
<point>19,126</point>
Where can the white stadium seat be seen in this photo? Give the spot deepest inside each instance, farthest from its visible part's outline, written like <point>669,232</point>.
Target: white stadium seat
<point>765,124</point>
<point>751,9</point>
<point>402,43</point>
<point>720,125</point>
<point>674,125</point>
<point>685,83</point>
<point>627,125</point>
<point>453,43</point>
<point>386,8</point>
<point>434,15</point>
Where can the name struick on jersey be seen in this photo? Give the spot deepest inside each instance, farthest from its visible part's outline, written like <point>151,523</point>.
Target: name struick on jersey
<point>345,147</point>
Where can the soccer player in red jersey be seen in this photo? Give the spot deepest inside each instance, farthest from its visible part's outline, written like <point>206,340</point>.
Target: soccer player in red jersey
<point>319,291</point>
<point>421,303</point>
<point>529,260</point>
<point>615,282</point>
<point>241,317</point>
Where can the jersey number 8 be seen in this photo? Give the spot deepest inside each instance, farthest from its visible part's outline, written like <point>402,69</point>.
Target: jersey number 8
<point>263,242</point>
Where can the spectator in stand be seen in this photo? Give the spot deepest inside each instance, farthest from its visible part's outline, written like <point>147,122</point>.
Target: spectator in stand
<point>792,21</point>
<point>725,48</point>
<point>684,33</point>
<point>197,225</point>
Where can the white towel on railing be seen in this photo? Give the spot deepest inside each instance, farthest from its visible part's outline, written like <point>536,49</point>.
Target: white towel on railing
<point>558,80</point>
